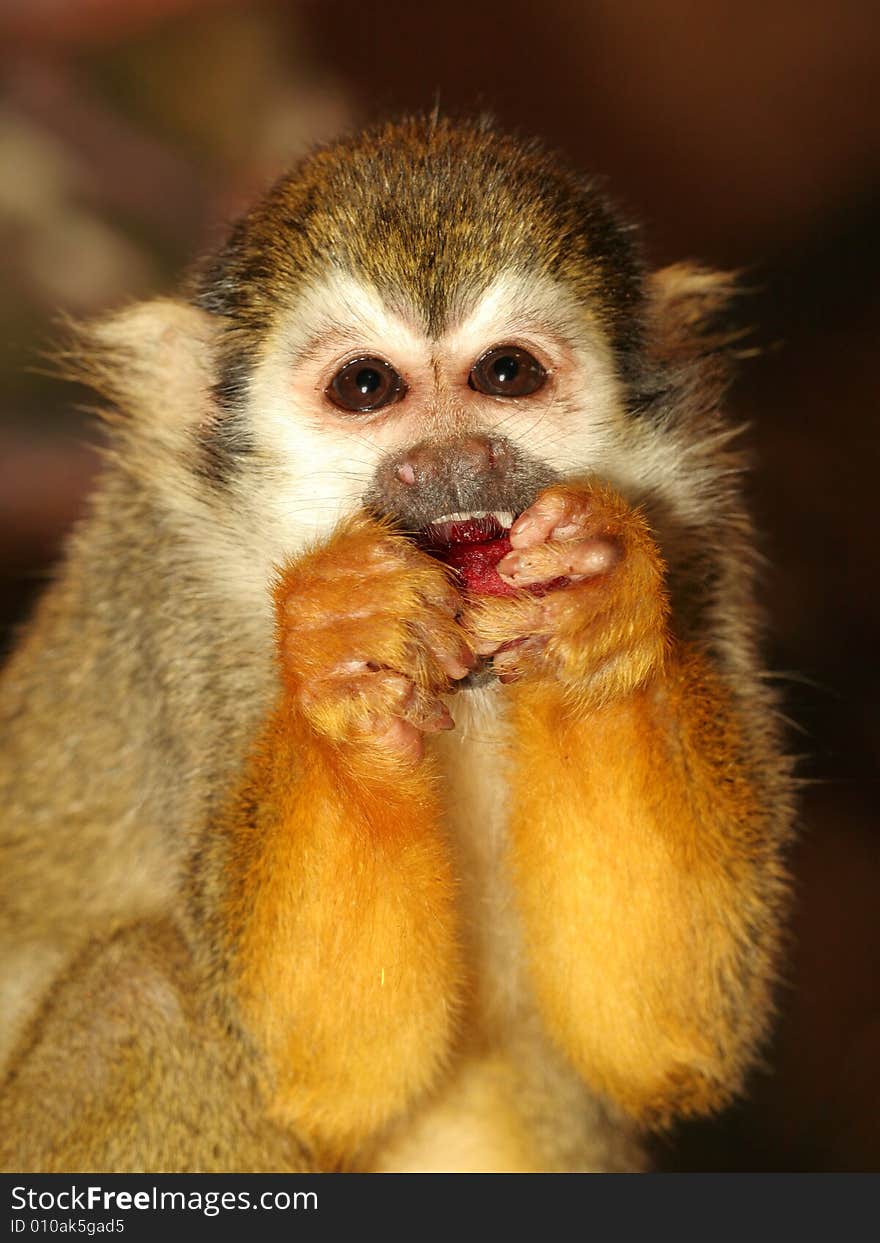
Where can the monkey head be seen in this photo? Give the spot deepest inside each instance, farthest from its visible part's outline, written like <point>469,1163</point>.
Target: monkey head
<point>431,321</point>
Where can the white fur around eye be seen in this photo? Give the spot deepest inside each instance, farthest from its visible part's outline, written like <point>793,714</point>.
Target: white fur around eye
<point>317,462</point>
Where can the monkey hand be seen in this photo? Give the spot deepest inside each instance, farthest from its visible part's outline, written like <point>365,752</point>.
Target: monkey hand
<point>368,639</point>
<point>592,611</point>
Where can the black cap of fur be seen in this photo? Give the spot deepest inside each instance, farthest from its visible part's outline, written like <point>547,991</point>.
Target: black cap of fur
<point>429,212</point>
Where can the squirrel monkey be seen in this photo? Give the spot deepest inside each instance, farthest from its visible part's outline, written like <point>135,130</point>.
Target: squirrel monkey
<point>389,780</point>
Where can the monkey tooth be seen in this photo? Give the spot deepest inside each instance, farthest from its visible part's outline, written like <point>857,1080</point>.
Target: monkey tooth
<point>504,517</point>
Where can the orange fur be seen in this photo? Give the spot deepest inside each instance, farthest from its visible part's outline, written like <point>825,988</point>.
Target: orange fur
<point>365,624</point>
<point>600,637</point>
<point>339,895</point>
<point>644,862</point>
<point>643,870</point>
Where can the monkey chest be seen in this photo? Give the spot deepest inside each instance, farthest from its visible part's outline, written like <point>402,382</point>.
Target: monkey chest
<point>508,1101</point>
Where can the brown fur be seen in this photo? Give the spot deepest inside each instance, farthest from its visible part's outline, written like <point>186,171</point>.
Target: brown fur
<point>259,910</point>
<point>130,1083</point>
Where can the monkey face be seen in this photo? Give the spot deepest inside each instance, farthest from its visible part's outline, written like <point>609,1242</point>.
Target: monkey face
<point>431,321</point>
<point>357,404</point>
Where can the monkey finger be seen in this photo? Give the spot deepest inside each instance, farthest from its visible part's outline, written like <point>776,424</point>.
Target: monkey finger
<point>449,647</point>
<point>457,664</point>
<point>395,735</point>
<point>559,513</point>
<point>378,694</point>
<point>432,581</point>
<point>490,623</point>
<point>534,525</point>
<point>427,714</point>
<point>435,581</point>
<point>439,593</point>
<point>403,733</point>
<point>571,559</point>
<point>514,661</point>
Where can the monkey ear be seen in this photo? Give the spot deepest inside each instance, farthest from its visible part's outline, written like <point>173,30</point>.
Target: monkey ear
<point>687,313</point>
<point>154,362</point>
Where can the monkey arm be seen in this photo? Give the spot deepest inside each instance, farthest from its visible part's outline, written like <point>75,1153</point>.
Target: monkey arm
<point>127,1067</point>
<point>650,886</point>
<point>327,880</point>
<point>336,912</point>
<point>646,815</point>
<point>310,993</point>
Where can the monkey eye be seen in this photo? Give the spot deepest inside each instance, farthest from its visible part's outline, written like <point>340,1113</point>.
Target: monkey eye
<point>507,371</point>
<point>365,384</point>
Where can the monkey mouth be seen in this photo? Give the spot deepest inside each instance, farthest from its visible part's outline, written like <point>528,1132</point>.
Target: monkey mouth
<point>472,544</point>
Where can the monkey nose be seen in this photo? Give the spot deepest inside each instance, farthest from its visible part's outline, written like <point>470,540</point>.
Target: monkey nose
<point>424,463</point>
<point>464,474</point>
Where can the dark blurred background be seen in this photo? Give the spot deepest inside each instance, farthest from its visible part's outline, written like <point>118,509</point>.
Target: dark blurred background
<point>743,134</point>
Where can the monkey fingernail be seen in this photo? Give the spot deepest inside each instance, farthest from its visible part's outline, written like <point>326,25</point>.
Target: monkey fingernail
<point>520,569</point>
<point>460,665</point>
<point>566,530</point>
<point>435,718</point>
<point>510,565</point>
<point>532,528</point>
<point>592,557</point>
<point>534,525</point>
<point>525,532</point>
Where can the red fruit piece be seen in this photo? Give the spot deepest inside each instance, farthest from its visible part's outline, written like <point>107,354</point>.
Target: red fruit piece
<point>476,565</point>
